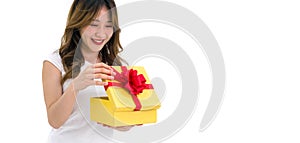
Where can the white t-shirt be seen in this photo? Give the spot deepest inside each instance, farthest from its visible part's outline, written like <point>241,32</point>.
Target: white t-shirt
<point>79,128</point>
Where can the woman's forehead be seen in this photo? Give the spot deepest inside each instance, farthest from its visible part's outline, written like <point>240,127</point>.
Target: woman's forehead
<point>103,15</point>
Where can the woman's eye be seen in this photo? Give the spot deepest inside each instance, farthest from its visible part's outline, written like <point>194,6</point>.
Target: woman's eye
<point>109,26</point>
<point>94,25</point>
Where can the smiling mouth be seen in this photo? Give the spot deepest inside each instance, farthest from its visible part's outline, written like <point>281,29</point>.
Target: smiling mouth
<point>98,41</point>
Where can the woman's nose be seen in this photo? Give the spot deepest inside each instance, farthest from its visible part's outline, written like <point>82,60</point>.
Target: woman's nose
<point>100,32</point>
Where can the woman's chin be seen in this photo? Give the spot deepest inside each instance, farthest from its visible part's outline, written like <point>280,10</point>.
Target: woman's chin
<point>96,49</point>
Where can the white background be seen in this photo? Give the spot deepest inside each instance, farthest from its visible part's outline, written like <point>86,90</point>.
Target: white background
<point>259,40</point>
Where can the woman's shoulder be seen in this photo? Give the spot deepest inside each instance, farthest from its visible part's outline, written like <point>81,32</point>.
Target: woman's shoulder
<point>55,59</point>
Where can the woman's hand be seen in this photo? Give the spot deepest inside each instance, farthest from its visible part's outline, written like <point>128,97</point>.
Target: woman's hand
<point>121,128</point>
<point>96,71</point>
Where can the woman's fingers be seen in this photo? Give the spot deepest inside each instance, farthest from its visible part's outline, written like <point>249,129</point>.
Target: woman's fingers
<point>97,71</point>
<point>101,65</point>
<point>91,79</point>
<point>103,76</point>
<point>121,128</point>
<point>103,70</point>
<point>92,74</point>
<point>100,83</point>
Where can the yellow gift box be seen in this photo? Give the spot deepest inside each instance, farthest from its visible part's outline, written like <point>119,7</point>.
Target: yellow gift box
<point>130,99</point>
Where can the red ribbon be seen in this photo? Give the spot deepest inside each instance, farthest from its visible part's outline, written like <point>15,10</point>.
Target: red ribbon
<point>132,82</point>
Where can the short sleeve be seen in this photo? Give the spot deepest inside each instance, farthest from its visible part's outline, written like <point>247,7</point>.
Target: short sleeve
<point>55,59</point>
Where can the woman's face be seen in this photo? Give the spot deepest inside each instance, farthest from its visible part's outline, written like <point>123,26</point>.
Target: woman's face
<point>98,32</point>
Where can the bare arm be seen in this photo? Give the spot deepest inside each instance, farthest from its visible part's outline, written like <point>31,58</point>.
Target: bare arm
<point>59,105</point>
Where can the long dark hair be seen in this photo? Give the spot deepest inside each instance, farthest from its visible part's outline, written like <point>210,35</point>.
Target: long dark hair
<point>81,14</point>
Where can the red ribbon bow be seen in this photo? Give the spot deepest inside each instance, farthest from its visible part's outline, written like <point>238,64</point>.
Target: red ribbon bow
<point>134,83</point>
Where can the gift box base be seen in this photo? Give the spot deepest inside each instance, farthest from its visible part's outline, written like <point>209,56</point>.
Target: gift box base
<point>102,111</point>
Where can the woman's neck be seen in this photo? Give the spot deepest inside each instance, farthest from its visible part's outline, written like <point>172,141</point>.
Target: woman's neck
<point>90,56</point>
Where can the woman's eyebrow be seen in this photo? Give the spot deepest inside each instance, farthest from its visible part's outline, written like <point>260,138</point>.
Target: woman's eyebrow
<point>97,20</point>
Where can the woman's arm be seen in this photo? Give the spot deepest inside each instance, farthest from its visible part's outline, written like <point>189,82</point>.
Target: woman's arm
<point>59,105</point>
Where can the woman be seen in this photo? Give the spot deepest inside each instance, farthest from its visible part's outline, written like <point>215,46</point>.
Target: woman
<point>74,73</point>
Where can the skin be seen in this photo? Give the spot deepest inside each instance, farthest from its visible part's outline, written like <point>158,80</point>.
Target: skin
<point>95,35</point>
<point>60,105</point>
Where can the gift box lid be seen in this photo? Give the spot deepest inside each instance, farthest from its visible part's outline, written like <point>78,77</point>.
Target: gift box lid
<point>131,90</point>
